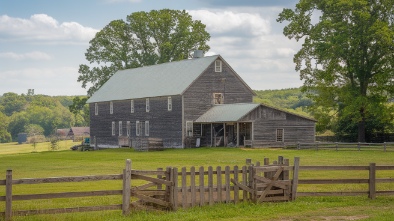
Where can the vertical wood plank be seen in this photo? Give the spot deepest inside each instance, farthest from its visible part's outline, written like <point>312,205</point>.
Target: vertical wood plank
<point>266,163</point>
<point>175,188</point>
<point>193,185</point>
<point>251,183</point>
<point>257,163</point>
<point>227,183</point>
<point>245,183</point>
<point>159,186</point>
<point>236,188</point>
<point>184,188</point>
<point>210,185</point>
<point>202,191</point>
<point>372,180</point>
<point>168,195</point>
<point>8,195</point>
<point>295,178</point>
<point>219,183</point>
<point>287,190</point>
<point>126,188</point>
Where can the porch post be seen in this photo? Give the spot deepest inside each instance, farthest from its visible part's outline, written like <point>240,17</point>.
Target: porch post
<point>224,135</point>
<point>237,134</point>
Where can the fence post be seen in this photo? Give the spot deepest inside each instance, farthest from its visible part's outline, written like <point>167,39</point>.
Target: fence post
<point>126,188</point>
<point>358,146</point>
<point>384,146</point>
<point>336,146</point>
<point>295,178</point>
<point>8,195</point>
<point>248,162</point>
<point>372,180</point>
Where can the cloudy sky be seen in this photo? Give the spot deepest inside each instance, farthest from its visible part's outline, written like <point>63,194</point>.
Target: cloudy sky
<point>43,42</point>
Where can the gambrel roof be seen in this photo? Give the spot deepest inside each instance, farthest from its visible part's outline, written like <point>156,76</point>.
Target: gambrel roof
<point>166,79</point>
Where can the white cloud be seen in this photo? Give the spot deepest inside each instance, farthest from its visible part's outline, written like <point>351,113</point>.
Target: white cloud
<point>35,55</point>
<point>229,21</point>
<point>44,27</point>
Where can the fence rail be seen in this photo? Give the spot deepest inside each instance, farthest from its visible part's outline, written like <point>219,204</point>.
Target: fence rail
<point>346,146</point>
<point>171,189</point>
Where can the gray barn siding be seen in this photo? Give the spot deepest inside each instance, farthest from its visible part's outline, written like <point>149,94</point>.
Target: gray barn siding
<point>163,124</point>
<point>198,97</point>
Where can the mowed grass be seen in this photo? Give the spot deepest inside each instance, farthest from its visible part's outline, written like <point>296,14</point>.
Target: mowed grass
<point>112,161</point>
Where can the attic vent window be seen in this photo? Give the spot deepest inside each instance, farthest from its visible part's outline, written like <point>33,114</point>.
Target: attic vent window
<point>218,66</point>
<point>111,107</point>
<point>147,105</point>
<point>95,109</point>
<point>169,104</point>
<point>132,106</point>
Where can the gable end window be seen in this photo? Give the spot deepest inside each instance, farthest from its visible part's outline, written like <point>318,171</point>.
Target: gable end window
<point>120,128</point>
<point>169,104</point>
<point>111,107</point>
<point>279,135</point>
<point>147,105</point>
<point>218,98</point>
<point>132,106</point>
<point>95,109</point>
<point>113,128</point>
<point>218,66</point>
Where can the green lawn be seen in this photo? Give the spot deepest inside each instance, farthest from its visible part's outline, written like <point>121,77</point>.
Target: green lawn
<point>76,163</point>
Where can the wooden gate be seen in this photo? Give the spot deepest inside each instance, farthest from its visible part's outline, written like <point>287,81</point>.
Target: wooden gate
<point>271,183</point>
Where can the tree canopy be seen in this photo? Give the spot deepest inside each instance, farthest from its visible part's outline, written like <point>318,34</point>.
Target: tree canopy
<point>347,59</point>
<point>145,38</point>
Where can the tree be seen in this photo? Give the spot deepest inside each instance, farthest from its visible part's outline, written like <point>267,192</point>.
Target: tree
<point>12,103</point>
<point>145,38</point>
<point>5,136</point>
<point>347,57</point>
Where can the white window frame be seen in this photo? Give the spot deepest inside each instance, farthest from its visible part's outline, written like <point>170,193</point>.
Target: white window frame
<point>128,128</point>
<point>147,128</point>
<point>132,106</point>
<point>215,98</point>
<point>137,128</point>
<point>189,128</point>
<point>113,128</point>
<point>95,108</point>
<point>169,104</point>
<point>280,133</point>
<point>120,128</point>
<point>218,66</point>
<point>147,105</point>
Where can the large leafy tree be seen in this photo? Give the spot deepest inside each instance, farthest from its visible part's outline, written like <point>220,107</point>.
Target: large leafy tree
<point>347,57</point>
<point>145,38</point>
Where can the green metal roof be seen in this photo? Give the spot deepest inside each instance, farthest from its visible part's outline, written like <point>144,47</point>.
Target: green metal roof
<point>165,79</point>
<point>227,112</point>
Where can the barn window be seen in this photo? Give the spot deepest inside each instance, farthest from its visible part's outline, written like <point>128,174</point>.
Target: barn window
<point>189,128</point>
<point>113,128</point>
<point>120,128</point>
<point>218,98</point>
<point>132,106</point>
<point>147,105</point>
<point>169,104</point>
<point>111,107</point>
<point>279,135</point>
<point>218,66</point>
<point>137,128</point>
<point>146,128</point>
<point>128,128</point>
<point>95,109</point>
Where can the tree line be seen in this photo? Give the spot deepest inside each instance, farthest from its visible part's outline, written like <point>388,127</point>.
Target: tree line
<point>38,114</point>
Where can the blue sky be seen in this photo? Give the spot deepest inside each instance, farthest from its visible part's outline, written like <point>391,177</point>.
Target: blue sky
<point>42,42</point>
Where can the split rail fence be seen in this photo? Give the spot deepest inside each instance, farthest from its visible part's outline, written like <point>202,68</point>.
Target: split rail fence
<point>387,146</point>
<point>171,189</point>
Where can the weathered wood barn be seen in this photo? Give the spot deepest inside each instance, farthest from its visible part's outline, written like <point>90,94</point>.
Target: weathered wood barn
<point>194,102</point>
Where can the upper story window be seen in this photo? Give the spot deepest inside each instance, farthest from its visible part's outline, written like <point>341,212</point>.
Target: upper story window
<point>146,128</point>
<point>128,128</point>
<point>95,109</point>
<point>137,128</point>
<point>120,128</point>
<point>147,105</point>
<point>218,66</point>
<point>113,128</point>
<point>111,107</point>
<point>169,104</point>
<point>218,98</point>
<point>132,106</point>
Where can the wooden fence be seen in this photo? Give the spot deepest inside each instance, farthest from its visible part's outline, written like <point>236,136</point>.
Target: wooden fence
<point>171,189</point>
<point>346,146</point>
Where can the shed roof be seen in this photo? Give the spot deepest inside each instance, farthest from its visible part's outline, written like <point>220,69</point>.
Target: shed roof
<point>165,79</point>
<point>227,112</point>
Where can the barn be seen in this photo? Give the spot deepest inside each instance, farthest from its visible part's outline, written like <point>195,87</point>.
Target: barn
<point>189,103</point>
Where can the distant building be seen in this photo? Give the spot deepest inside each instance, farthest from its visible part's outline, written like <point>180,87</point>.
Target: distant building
<point>195,102</point>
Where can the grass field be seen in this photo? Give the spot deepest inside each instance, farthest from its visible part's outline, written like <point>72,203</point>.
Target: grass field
<point>28,164</point>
